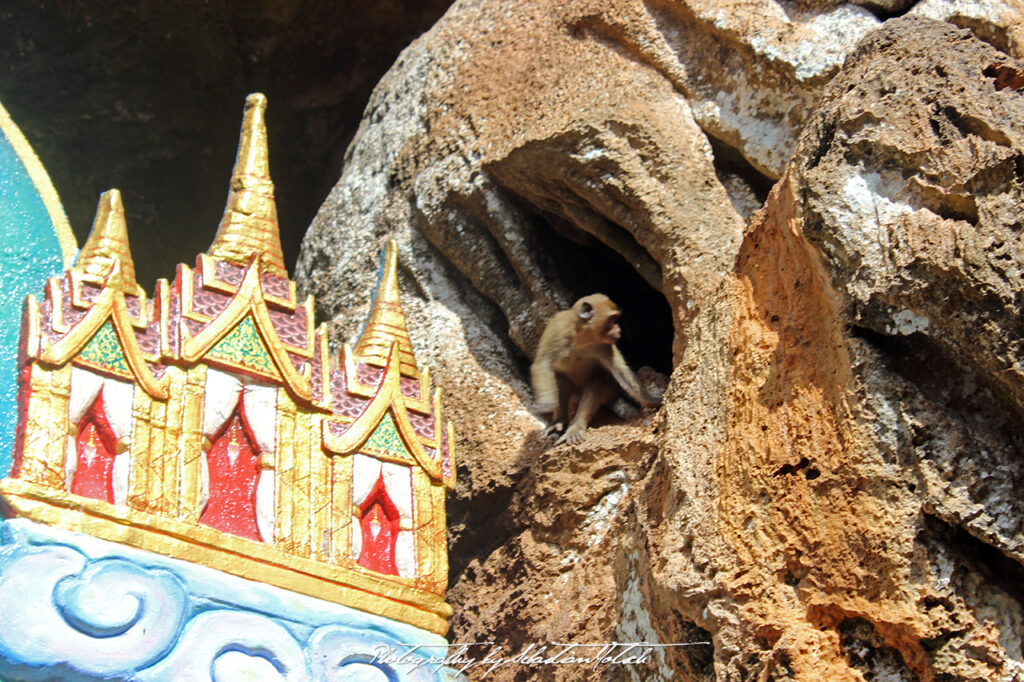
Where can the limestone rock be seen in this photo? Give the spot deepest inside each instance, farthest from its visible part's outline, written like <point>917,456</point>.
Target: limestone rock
<point>913,183</point>
<point>850,482</point>
<point>996,23</point>
<point>829,490</point>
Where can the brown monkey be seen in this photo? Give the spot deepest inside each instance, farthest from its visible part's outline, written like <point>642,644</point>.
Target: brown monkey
<point>577,358</point>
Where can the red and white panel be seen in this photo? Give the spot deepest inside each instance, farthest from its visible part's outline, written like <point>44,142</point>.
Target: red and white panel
<point>240,421</point>
<point>382,536</point>
<point>100,412</point>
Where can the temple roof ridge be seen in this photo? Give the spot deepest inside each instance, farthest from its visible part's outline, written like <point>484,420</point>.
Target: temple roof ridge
<point>249,225</point>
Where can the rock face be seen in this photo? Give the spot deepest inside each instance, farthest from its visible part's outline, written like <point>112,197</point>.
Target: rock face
<point>829,491</point>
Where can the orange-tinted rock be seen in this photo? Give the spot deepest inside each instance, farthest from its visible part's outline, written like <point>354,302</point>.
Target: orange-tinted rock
<point>820,497</point>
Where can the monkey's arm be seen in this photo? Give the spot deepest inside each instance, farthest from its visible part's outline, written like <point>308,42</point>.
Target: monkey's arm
<point>554,343</point>
<point>624,376</point>
<point>544,384</point>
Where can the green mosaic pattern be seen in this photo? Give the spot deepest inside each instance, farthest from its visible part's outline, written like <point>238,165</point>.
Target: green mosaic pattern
<point>104,349</point>
<point>244,346</point>
<point>385,437</point>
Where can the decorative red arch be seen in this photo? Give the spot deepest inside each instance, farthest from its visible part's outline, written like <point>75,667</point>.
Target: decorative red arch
<point>233,463</point>
<point>379,526</point>
<point>95,449</point>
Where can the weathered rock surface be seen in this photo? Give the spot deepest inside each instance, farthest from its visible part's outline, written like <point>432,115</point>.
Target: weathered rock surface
<point>829,491</point>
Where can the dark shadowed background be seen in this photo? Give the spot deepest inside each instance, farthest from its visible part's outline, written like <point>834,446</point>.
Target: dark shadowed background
<point>147,97</point>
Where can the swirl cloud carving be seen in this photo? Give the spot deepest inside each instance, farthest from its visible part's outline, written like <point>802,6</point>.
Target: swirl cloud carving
<point>103,619</point>
<point>228,645</point>
<point>338,653</point>
<point>81,610</point>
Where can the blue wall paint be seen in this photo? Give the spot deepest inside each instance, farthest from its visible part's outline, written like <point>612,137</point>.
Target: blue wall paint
<point>29,253</point>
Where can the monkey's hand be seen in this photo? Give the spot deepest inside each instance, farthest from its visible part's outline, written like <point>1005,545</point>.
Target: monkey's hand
<point>573,435</point>
<point>652,402</point>
<point>557,427</point>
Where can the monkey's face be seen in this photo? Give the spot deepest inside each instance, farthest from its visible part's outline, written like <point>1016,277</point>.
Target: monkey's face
<point>599,319</point>
<point>612,331</point>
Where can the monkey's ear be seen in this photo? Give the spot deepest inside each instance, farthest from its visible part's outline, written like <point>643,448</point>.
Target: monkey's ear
<point>586,311</point>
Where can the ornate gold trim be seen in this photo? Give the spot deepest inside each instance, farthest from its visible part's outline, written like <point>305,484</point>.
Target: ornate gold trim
<point>208,273</point>
<point>163,295</point>
<point>56,296</point>
<point>388,398</point>
<point>30,324</point>
<point>76,279</point>
<point>386,455</point>
<point>110,304</point>
<point>321,347</point>
<point>450,480</point>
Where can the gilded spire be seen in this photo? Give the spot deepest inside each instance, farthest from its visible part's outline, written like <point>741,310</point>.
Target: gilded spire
<point>249,225</point>
<point>108,244</point>
<point>386,322</point>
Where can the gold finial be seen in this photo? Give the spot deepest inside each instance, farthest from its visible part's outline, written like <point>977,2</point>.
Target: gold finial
<point>249,225</point>
<point>108,244</point>
<point>386,323</point>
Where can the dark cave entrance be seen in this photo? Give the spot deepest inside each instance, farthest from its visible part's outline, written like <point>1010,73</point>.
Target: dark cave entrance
<point>584,265</point>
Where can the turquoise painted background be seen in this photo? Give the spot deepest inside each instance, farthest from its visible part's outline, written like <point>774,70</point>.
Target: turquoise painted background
<point>29,253</point>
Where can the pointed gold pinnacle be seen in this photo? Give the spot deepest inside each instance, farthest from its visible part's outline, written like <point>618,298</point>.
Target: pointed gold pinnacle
<point>108,244</point>
<point>249,225</point>
<point>386,322</point>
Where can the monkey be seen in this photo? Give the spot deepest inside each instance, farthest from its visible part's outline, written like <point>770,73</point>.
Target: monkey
<point>577,358</point>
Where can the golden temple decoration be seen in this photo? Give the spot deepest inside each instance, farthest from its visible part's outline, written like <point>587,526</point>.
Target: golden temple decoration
<point>249,226</point>
<point>386,322</point>
<point>104,340</point>
<point>247,312</point>
<point>389,403</point>
<point>229,340</point>
<point>103,336</point>
<point>108,244</point>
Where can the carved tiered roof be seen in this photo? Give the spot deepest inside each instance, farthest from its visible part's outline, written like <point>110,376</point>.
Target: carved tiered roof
<point>235,317</point>
<point>97,314</point>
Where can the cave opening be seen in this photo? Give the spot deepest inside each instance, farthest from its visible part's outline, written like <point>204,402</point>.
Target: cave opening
<point>746,186</point>
<point>974,557</point>
<point>584,265</point>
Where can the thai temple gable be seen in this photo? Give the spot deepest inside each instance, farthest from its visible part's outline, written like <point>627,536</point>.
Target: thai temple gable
<point>227,319</point>
<point>210,424</point>
<point>239,307</point>
<point>383,368</point>
<point>97,315</point>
